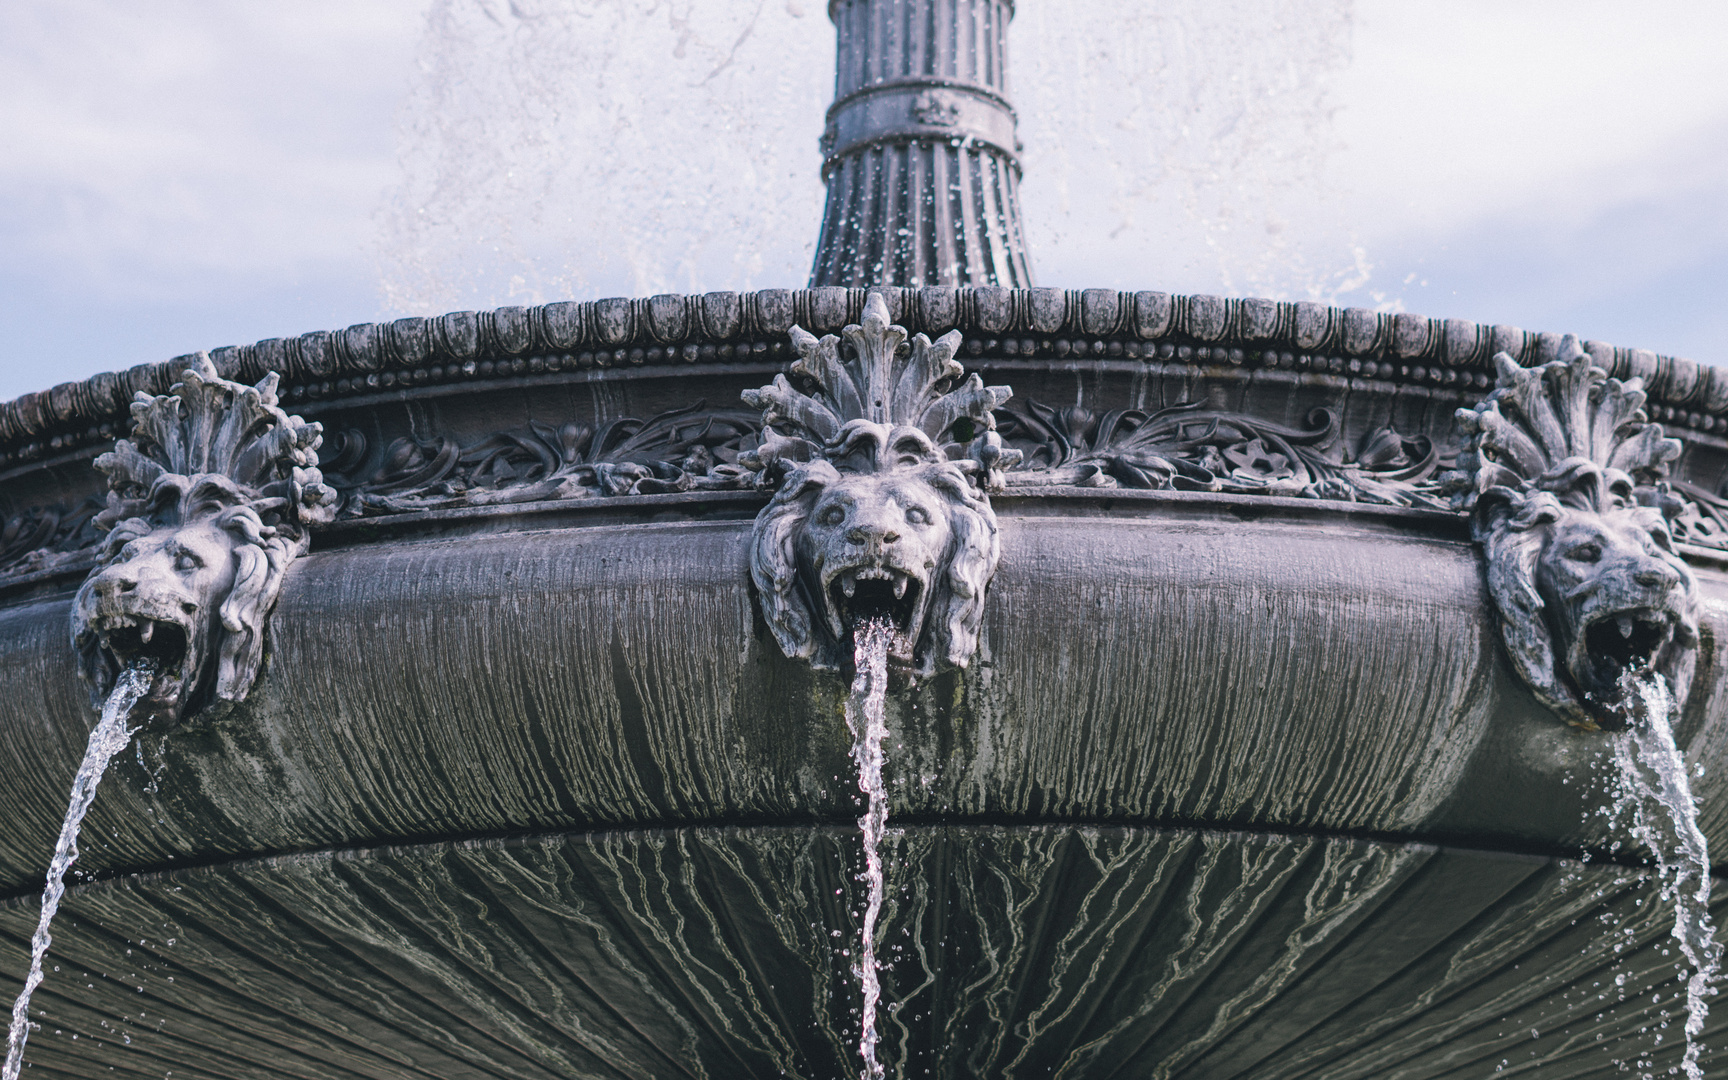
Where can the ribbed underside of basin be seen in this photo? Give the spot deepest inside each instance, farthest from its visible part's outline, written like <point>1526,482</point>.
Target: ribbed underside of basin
<point>1015,952</point>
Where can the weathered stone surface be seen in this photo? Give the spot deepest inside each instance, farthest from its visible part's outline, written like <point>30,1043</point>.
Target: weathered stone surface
<point>1151,663</point>
<point>1067,951</point>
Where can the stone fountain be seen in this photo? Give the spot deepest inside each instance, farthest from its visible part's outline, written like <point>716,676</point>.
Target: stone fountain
<point>1243,714</point>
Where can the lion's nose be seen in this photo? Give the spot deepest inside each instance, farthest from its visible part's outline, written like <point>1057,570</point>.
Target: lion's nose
<point>872,533</point>
<point>1654,574</point>
<point>112,584</point>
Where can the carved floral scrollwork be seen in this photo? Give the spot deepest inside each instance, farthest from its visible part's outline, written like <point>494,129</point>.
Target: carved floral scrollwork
<point>690,449</point>
<point>1697,517</point>
<point>43,537</point>
<point>1191,449</point>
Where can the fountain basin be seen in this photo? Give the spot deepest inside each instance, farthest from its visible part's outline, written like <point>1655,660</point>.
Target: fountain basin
<point>1151,659</point>
<point>506,756</point>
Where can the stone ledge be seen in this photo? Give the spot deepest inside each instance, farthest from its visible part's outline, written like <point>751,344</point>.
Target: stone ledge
<point>622,333</point>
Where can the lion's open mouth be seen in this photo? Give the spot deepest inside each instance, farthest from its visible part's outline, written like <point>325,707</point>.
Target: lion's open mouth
<point>135,637</point>
<point>876,592</point>
<point>1615,643</point>
<point>1625,639</point>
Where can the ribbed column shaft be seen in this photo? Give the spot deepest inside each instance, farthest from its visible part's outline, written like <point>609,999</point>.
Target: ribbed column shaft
<point>920,152</point>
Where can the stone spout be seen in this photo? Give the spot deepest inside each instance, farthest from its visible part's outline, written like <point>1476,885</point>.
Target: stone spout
<point>920,154</point>
<point>1566,478</point>
<point>209,503</point>
<point>881,466</point>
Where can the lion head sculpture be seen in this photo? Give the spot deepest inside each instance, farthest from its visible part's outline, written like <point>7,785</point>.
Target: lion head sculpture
<point>1563,471</point>
<point>881,508</point>
<point>208,504</point>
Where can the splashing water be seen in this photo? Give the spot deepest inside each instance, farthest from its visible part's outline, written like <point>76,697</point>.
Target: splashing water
<point>573,149</point>
<point>1651,786</point>
<point>109,738</point>
<point>864,716</point>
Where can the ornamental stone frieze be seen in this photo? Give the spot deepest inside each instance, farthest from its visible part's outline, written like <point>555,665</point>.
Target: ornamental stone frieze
<point>1363,415</point>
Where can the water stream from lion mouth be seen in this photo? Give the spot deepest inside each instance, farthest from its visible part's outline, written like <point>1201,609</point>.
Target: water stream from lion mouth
<point>1650,787</point>
<point>865,717</point>
<point>110,737</point>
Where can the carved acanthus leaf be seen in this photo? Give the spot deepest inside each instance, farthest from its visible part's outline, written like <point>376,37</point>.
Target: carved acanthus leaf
<point>1192,449</point>
<point>871,373</point>
<point>1540,421</point>
<point>207,426</point>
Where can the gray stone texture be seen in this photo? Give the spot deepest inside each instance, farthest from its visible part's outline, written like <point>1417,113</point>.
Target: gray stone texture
<point>1018,952</point>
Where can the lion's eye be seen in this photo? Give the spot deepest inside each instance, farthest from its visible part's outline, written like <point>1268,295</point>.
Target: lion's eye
<point>917,515</point>
<point>1585,553</point>
<point>187,561</point>
<point>1662,539</point>
<point>831,515</point>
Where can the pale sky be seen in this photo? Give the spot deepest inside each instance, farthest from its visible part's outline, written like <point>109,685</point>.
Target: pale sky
<point>184,174</point>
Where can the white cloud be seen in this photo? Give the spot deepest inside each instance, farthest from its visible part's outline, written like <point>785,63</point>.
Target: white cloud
<point>1458,111</point>
<point>152,146</point>
<point>196,172</point>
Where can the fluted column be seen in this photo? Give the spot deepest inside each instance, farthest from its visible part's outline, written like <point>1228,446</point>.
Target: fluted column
<point>920,153</point>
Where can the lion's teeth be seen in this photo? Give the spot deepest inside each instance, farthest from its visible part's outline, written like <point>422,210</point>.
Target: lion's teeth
<point>145,632</point>
<point>900,587</point>
<point>849,585</point>
<point>1625,624</point>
